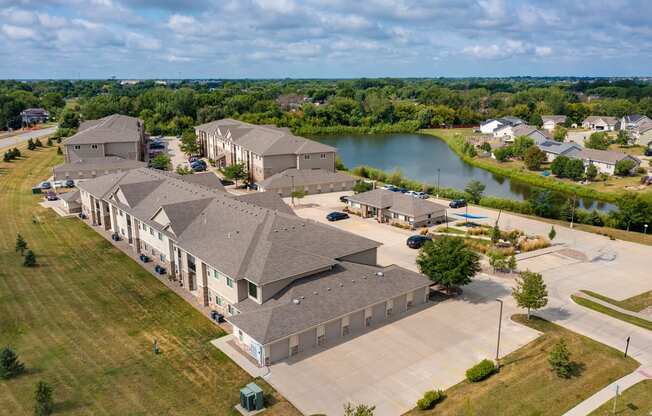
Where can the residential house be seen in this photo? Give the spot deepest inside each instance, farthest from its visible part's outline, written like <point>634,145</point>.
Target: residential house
<point>285,284</point>
<point>264,150</point>
<point>490,125</point>
<point>508,133</point>
<point>605,161</point>
<point>553,149</point>
<point>643,134</point>
<point>551,122</point>
<point>632,123</point>
<point>601,123</point>
<point>396,208</point>
<point>111,144</point>
<point>71,201</point>
<point>310,181</point>
<point>31,116</point>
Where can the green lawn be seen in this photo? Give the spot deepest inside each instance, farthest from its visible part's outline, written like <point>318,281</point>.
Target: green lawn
<point>526,386</point>
<point>85,318</point>
<point>643,323</point>
<point>635,401</point>
<point>635,303</point>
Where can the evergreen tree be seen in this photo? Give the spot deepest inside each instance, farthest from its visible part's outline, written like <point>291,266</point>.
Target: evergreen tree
<point>511,263</point>
<point>38,143</point>
<point>559,359</point>
<point>530,291</point>
<point>30,144</point>
<point>495,233</point>
<point>552,234</point>
<point>49,142</point>
<point>10,366</point>
<point>30,259</point>
<point>21,244</point>
<point>59,152</point>
<point>43,399</point>
<point>16,152</point>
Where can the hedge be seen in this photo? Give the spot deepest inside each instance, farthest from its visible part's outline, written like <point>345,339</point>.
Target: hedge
<point>480,371</point>
<point>430,399</point>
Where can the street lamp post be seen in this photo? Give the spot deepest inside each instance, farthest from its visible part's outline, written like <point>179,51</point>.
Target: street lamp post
<point>292,190</point>
<point>645,229</point>
<point>500,322</point>
<point>438,171</point>
<point>573,211</point>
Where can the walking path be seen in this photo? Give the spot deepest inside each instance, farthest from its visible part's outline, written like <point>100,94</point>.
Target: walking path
<point>612,306</point>
<point>23,137</point>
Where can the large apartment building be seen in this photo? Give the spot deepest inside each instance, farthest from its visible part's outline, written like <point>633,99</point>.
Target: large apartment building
<point>264,150</point>
<point>286,284</point>
<point>111,144</point>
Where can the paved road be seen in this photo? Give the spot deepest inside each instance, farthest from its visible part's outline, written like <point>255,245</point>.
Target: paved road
<point>23,137</point>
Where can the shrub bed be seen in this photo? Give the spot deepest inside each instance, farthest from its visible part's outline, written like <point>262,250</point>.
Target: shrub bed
<point>430,399</point>
<point>480,371</point>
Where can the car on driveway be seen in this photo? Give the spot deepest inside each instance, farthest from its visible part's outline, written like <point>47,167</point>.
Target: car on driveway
<point>69,183</point>
<point>336,216</point>
<point>389,188</point>
<point>417,194</point>
<point>417,241</point>
<point>45,185</point>
<point>51,196</point>
<point>457,203</point>
<point>344,199</point>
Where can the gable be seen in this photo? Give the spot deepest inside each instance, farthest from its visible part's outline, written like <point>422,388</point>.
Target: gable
<point>119,196</point>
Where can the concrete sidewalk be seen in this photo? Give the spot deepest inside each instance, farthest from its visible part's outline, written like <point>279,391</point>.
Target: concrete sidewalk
<point>614,307</point>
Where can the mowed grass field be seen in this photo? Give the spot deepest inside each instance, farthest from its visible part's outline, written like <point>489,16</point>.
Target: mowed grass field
<point>525,385</point>
<point>635,401</point>
<point>84,320</point>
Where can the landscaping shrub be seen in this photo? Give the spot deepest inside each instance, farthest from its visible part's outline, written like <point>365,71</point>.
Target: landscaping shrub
<point>430,398</point>
<point>532,244</point>
<point>480,371</point>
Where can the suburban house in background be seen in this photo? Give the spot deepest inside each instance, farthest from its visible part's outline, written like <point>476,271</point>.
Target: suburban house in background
<point>396,208</point>
<point>31,116</point>
<point>601,123</point>
<point>634,122</point>
<point>604,160</point>
<point>643,134</point>
<point>264,150</point>
<point>115,143</point>
<point>285,284</point>
<point>508,133</point>
<point>553,148</point>
<point>310,181</point>
<point>550,122</point>
<point>490,125</point>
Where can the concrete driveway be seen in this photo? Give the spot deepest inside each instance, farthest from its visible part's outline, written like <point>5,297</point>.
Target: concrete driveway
<point>393,365</point>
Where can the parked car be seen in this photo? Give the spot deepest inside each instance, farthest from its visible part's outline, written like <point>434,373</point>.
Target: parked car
<point>648,151</point>
<point>417,241</point>
<point>51,196</point>
<point>251,186</point>
<point>45,185</point>
<point>336,216</point>
<point>457,203</point>
<point>69,183</point>
<point>156,145</point>
<point>193,159</point>
<point>401,190</point>
<point>417,194</point>
<point>344,199</point>
<point>389,188</point>
<point>198,167</point>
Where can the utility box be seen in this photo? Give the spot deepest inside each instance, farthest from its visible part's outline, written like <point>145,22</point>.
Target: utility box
<point>251,397</point>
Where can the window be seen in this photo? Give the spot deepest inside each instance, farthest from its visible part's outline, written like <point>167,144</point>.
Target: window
<point>230,309</point>
<point>229,282</point>
<point>323,155</point>
<point>77,147</point>
<point>160,236</point>
<point>163,257</point>
<point>240,336</point>
<point>306,157</point>
<point>253,290</point>
<point>151,231</point>
<point>218,300</point>
<point>93,146</point>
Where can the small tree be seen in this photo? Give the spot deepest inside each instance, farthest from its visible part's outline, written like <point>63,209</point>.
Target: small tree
<point>497,260</point>
<point>30,259</point>
<point>298,194</point>
<point>10,366</point>
<point>359,410</point>
<point>591,172</point>
<point>502,153</point>
<point>530,291</point>
<point>511,263</point>
<point>16,152</point>
<point>574,169</point>
<point>598,140</point>
<point>624,167</point>
<point>59,151</point>
<point>161,162</point>
<point>521,145</point>
<point>362,186</point>
<point>49,142</point>
<point>495,233</point>
<point>189,144</point>
<point>622,138</point>
<point>448,262</point>
<point>558,166</point>
<point>533,158</point>
<point>38,143</point>
<point>30,144</point>
<point>560,133</point>
<point>559,359</point>
<point>475,189</point>
<point>552,233</point>
<point>21,244</point>
<point>43,399</point>
<point>235,172</point>
<point>184,170</point>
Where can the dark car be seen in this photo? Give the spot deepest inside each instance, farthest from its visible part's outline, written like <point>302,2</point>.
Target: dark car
<point>69,183</point>
<point>156,145</point>
<point>193,159</point>
<point>648,151</point>
<point>251,186</point>
<point>52,196</point>
<point>457,203</point>
<point>198,167</point>
<point>336,216</point>
<point>344,199</point>
<point>417,241</point>
<point>45,185</point>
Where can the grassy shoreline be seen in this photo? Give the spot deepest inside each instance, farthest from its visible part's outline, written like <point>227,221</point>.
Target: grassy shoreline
<point>454,142</point>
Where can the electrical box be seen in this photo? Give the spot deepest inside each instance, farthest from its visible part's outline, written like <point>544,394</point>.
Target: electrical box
<point>251,397</point>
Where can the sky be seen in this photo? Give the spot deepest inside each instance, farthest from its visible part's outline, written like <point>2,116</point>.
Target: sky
<point>324,38</point>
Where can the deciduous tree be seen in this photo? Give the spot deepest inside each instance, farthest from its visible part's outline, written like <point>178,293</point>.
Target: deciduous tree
<point>448,262</point>
<point>475,189</point>
<point>530,291</point>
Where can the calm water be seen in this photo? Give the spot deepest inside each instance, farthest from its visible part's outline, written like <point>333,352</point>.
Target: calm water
<point>418,156</point>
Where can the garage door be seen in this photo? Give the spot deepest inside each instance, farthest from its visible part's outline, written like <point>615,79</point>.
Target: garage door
<point>308,339</point>
<point>333,330</point>
<point>400,304</point>
<point>279,350</point>
<point>378,313</point>
<point>356,321</point>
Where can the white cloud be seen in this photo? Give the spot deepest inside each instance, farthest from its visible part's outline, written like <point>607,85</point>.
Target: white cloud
<point>543,51</point>
<point>138,41</point>
<point>175,58</point>
<point>277,6</point>
<point>51,22</point>
<point>19,33</point>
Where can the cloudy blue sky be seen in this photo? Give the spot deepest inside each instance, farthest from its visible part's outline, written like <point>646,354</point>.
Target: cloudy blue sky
<point>323,38</point>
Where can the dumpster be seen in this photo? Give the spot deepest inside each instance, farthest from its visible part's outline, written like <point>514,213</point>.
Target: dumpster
<point>251,397</point>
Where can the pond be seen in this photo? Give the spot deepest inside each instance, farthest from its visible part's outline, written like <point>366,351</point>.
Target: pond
<point>424,157</point>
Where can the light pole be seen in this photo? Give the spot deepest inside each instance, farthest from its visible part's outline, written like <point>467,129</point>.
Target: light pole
<point>438,171</point>
<point>645,229</point>
<point>500,322</point>
<point>292,190</point>
<point>573,211</point>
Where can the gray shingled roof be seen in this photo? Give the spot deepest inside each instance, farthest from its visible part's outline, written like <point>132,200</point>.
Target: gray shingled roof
<point>347,288</point>
<point>99,164</point>
<point>606,119</point>
<point>72,196</point>
<point>398,202</point>
<point>558,148</point>
<point>600,156</point>
<point>555,118</point>
<point>304,177</point>
<point>263,140</point>
<point>208,179</point>
<point>270,200</point>
<point>111,129</point>
<point>232,234</point>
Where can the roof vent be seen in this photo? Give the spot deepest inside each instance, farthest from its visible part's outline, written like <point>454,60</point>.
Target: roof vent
<point>341,284</point>
<point>314,293</point>
<point>352,281</point>
<point>328,289</point>
<point>380,274</point>
<point>296,301</point>
<point>303,297</point>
